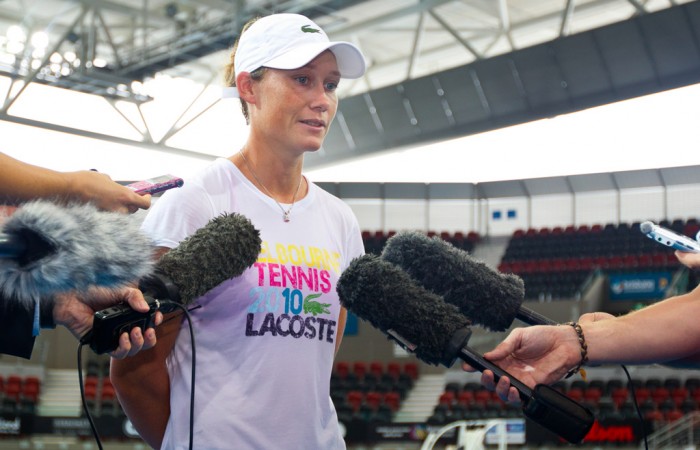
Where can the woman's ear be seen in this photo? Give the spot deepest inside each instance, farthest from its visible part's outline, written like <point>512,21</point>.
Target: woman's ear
<point>244,82</point>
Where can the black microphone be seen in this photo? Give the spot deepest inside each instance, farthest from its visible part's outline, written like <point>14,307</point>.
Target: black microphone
<point>488,297</point>
<point>223,249</point>
<point>423,323</point>
<point>47,248</point>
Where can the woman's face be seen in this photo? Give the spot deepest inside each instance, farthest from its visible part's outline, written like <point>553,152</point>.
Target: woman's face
<point>294,108</point>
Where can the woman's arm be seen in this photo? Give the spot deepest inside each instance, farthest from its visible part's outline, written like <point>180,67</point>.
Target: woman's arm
<point>142,383</point>
<point>342,318</point>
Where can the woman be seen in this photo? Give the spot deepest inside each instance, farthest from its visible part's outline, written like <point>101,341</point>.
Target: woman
<point>265,340</point>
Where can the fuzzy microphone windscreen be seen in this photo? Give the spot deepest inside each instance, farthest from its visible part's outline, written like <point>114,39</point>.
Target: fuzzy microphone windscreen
<point>78,247</point>
<point>224,248</point>
<point>386,297</point>
<point>488,297</point>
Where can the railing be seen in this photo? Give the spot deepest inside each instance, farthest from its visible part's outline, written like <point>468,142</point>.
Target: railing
<point>681,433</point>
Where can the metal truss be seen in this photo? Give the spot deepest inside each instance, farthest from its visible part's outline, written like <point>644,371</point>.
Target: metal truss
<point>109,47</point>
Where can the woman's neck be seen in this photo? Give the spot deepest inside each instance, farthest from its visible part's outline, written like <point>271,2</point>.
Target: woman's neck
<point>282,180</point>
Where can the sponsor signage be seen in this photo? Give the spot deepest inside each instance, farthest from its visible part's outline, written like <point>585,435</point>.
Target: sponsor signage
<point>639,286</point>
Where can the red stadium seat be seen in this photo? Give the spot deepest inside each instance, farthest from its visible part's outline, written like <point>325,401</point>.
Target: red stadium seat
<point>359,368</point>
<point>465,397</point>
<point>355,399</point>
<point>394,369</point>
<point>373,400</point>
<point>447,398</point>
<point>411,369</point>
<point>376,368</point>
<point>393,400</point>
<point>342,369</point>
<point>482,396</point>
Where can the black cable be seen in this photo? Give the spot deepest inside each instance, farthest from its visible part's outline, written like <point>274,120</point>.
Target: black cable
<point>194,363</point>
<point>82,396</point>
<point>85,340</point>
<point>636,406</point>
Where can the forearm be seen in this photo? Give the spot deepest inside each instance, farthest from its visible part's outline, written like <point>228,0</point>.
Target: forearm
<point>22,181</point>
<point>342,319</point>
<point>660,333</point>
<point>142,385</point>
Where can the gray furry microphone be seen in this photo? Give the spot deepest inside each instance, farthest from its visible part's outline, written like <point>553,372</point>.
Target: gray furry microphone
<point>46,248</point>
<point>223,249</point>
<point>488,297</point>
<point>437,333</point>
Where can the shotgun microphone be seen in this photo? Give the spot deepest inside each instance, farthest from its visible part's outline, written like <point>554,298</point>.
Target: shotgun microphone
<point>488,297</point>
<point>223,249</point>
<point>437,333</point>
<point>47,248</point>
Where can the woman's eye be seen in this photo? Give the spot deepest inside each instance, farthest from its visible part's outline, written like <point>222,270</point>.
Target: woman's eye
<point>303,80</point>
<point>331,86</point>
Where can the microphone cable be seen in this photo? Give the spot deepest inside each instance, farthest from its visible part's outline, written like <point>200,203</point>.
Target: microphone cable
<point>84,342</point>
<point>636,406</point>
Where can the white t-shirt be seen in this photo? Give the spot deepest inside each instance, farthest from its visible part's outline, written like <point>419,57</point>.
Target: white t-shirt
<point>265,340</point>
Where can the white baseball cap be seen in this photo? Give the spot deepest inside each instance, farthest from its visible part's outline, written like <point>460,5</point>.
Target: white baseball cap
<point>290,41</point>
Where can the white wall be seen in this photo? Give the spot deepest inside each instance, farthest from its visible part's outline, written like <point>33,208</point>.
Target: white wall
<point>596,207</point>
<point>451,215</point>
<point>406,215</point>
<point>590,208</point>
<point>638,205</point>
<point>552,211</point>
<point>684,201</point>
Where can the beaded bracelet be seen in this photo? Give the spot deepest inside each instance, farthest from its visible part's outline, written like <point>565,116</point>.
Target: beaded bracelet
<point>584,351</point>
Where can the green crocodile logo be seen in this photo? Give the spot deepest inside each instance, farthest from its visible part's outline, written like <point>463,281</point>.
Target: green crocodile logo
<point>309,29</point>
<point>314,307</point>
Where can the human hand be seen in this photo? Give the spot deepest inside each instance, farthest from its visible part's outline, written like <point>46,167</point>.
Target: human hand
<point>76,313</point>
<point>688,259</point>
<point>534,355</point>
<point>98,188</point>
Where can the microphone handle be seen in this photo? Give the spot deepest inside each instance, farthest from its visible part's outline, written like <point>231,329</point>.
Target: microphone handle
<point>160,293</point>
<point>543,405</point>
<point>480,363</point>
<point>531,317</point>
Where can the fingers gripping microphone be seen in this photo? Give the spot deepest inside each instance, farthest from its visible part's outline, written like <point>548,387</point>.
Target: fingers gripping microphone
<point>223,249</point>
<point>46,248</point>
<point>423,323</point>
<point>488,297</point>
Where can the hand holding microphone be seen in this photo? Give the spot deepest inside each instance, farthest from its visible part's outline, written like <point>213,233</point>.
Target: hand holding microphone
<point>52,259</point>
<point>534,355</point>
<point>224,248</point>
<point>437,333</point>
<point>76,312</point>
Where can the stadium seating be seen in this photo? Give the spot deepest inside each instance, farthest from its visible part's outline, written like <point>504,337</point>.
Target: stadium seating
<point>657,398</point>
<point>371,390</point>
<point>555,264</point>
<point>374,240</point>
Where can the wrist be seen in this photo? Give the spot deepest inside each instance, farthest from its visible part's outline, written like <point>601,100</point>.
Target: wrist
<point>582,357</point>
<point>70,313</point>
